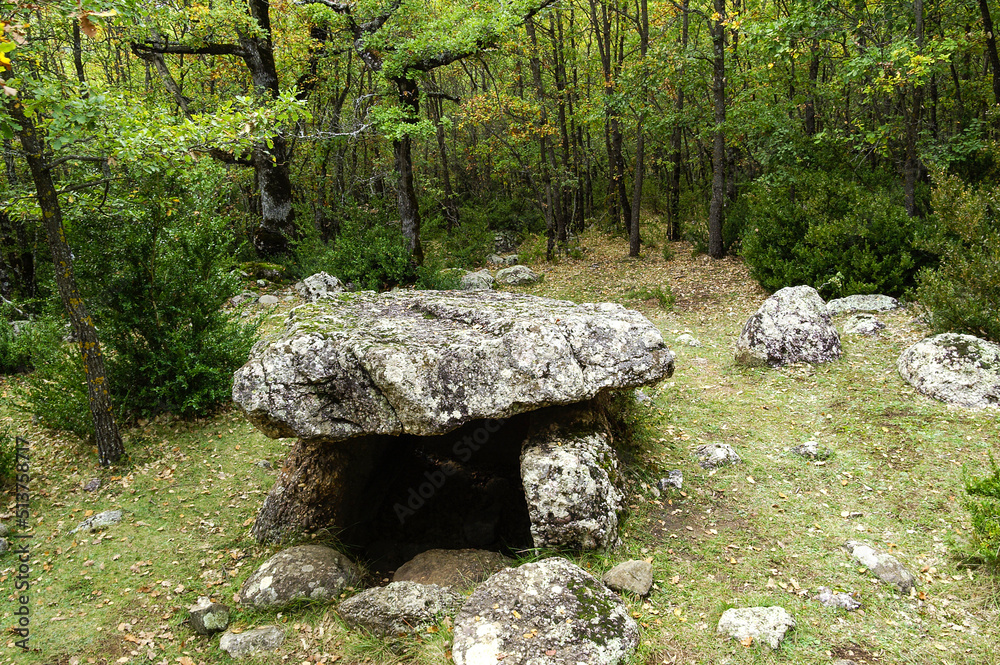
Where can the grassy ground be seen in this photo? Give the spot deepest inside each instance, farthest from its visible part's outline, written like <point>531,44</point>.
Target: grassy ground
<point>767,532</point>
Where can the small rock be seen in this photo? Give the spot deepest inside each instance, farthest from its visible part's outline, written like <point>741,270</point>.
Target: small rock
<point>319,286</point>
<point>885,566</point>
<point>92,485</point>
<point>635,576</point>
<point>399,608</point>
<point>713,455</point>
<point>642,398</point>
<point>263,464</point>
<point>476,281</point>
<point>956,369</point>
<point>517,276</point>
<point>862,303</point>
<point>245,297</point>
<point>844,661</point>
<point>238,645</point>
<point>863,324</point>
<point>207,617</point>
<point>792,326</point>
<point>675,478</point>
<point>451,568</point>
<point>311,572</point>
<point>4,530</point>
<point>262,282</point>
<point>687,340</point>
<point>830,598</point>
<point>3,545</point>
<point>813,450</point>
<point>267,300</point>
<point>99,521</point>
<point>502,261</point>
<point>761,624</point>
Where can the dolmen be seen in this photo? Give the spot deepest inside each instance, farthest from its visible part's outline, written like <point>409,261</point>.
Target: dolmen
<point>447,419</point>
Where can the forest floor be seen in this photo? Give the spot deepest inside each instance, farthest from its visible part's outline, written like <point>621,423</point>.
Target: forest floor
<point>766,532</point>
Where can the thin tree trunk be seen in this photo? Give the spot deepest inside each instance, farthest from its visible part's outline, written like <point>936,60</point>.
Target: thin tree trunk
<point>715,213</point>
<point>78,53</point>
<point>544,149</point>
<point>109,442</point>
<point>406,195</point>
<point>634,239</point>
<point>674,206</point>
<point>991,47</point>
<point>911,169</point>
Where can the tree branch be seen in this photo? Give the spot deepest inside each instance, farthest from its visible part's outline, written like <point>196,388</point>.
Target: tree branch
<point>148,48</point>
<point>75,158</point>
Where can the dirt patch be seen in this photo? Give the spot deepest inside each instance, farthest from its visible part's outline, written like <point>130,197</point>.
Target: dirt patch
<point>859,653</point>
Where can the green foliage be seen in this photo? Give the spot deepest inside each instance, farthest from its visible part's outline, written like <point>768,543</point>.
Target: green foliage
<point>983,504</point>
<point>805,227</point>
<point>963,293</point>
<point>436,279</point>
<point>663,295</point>
<point>15,352</point>
<point>8,455</point>
<point>373,255</point>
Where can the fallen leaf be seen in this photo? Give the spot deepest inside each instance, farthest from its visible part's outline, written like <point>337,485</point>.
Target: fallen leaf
<point>747,641</point>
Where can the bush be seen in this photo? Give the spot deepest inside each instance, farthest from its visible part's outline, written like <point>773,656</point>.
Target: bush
<point>8,456</point>
<point>373,255</point>
<point>15,352</point>
<point>806,227</point>
<point>963,293</point>
<point>983,504</point>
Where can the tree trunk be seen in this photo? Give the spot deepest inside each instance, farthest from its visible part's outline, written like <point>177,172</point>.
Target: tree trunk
<point>716,213</point>
<point>911,168</point>
<point>406,195</point>
<point>544,150</point>
<point>675,138</point>
<point>634,240</point>
<point>991,47</point>
<point>109,442</point>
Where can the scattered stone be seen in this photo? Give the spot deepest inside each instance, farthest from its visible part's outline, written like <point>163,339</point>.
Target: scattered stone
<point>92,485</point>
<point>264,464</point>
<point>760,624</point>
<point>313,572</point>
<point>885,566</point>
<point>207,617</point>
<point>502,261</point>
<point>99,521</point>
<point>813,450</point>
<point>687,340</point>
<point>245,297</point>
<point>262,283</point>
<point>635,576</point>
<point>517,276</point>
<point>319,286</point>
<point>19,327</point>
<point>571,486</point>
<point>399,608</point>
<point>476,281</point>
<point>4,530</point>
<point>956,369</point>
<point>830,598</point>
<point>791,326</point>
<point>451,568</point>
<point>714,455</point>
<point>3,545</point>
<point>267,300</point>
<point>249,642</point>
<point>675,478</point>
<point>863,324</point>
<point>505,242</point>
<point>550,607</point>
<point>862,303</point>
<point>642,398</point>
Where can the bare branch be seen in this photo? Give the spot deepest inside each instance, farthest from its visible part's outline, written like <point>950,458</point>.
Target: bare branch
<point>147,48</point>
<point>75,158</point>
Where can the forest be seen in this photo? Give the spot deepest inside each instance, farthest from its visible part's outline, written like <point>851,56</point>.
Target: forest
<point>157,153</point>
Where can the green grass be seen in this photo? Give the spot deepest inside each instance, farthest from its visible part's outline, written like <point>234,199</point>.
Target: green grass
<point>766,532</point>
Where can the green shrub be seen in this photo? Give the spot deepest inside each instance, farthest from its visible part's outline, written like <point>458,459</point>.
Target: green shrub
<point>15,353</point>
<point>963,293</point>
<point>8,455</point>
<point>372,255</point>
<point>664,296</point>
<point>805,227</point>
<point>983,504</point>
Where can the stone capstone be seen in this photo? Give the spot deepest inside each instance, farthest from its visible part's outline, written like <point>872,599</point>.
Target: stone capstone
<point>550,612</point>
<point>451,568</point>
<point>863,324</point>
<point>99,521</point>
<point>249,642</point>
<point>635,576</point>
<point>571,486</point>
<point>862,303</point>
<point>517,276</point>
<point>207,617</point>
<point>427,362</point>
<point>319,286</point>
<point>957,369</point>
<point>760,624</point>
<point>885,566</point>
<point>476,281</point>
<point>399,608</point>
<point>713,455</point>
<point>791,326</point>
<point>310,572</point>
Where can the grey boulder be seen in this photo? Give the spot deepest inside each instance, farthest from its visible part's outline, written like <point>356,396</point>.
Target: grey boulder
<point>956,369</point>
<point>885,566</point>
<point>829,598</point>
<point>502,261</point>
<point>249,642</point>
<point>4,530</point>
<point>863,324</point>
<point>791,326</point>
<point>310,572</point>
<point>206,617</point>
<point>454,568</point>
<point>761,624</point>
<point>267,300</point>
<point>813,450</point>
<point>399,608</point>
<point>635,576</point>
<point>550,612</point>
<point>99,521</point>
<point>319,286</point>
<point>427,362</point>
<point>714,455</point>
<point>861,303</point>
<point>476,281</point>
<point>517,276</point>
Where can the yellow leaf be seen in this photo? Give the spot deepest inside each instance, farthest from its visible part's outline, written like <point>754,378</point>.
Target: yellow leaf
<point>747,641</point>
<point>185,660</point>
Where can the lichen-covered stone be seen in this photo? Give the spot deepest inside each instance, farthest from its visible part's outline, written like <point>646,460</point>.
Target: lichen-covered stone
<point>311,572</point>
<point>502,261</point>
<point>635,576</point>
<point>455,568</point>
<point>427,362</point>
<point>99,521</point>
<point>813,450</point>
<point>760,624</point>
<point>249,642</point>
<point>713,455</point>
<point>319,286</point>
<point>517,275</point>
<point>550,612</point>
<point>791,326</point>
<point>830,598</point>
<point>863,324</point>
<point>885,566</point>
<point>570,484</point>
<point>476,281</point>
<point>957,369</point>
<point>399,608</point>
<point>206,617</point>
<point>862,303</point>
